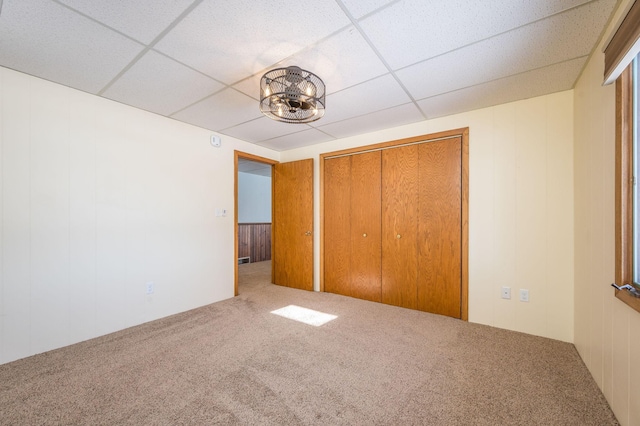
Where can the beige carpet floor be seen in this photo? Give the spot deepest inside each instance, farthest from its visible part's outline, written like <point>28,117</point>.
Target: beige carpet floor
<point>234,362</point>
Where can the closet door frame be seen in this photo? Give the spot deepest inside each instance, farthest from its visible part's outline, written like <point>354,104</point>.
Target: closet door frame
<point>463,133</point>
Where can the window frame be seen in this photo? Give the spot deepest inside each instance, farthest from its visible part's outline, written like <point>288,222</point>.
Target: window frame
<point>624,181</point>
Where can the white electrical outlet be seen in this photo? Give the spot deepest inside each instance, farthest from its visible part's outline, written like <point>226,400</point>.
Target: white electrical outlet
<point>524,295</point>
<point>506,292</point>
<point>150,287</point>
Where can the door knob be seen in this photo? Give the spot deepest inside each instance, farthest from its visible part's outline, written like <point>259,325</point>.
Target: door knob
<point>398,236</point>
<point>308,233</point>
<point>364,235</point>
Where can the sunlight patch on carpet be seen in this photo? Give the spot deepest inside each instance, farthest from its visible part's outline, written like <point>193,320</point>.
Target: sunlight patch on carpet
<point>307,316</point>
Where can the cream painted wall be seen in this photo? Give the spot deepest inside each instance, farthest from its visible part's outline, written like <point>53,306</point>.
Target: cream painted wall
<point>607,332</point>
<point>520,209</point>
<point>97,199</point>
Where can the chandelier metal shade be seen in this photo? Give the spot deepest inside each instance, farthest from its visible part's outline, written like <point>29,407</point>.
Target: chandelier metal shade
<point>292,95</point>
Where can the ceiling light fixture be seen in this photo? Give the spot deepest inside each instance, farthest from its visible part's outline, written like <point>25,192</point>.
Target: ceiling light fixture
<point>292,95</point>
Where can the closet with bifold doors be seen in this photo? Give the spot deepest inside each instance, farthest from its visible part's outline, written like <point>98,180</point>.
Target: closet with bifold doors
<point>394,223</point>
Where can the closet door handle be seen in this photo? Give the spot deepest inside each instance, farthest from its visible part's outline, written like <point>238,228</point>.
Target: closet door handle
<point>398,236</point>
<point>364,235</point>
<point>308,233</point>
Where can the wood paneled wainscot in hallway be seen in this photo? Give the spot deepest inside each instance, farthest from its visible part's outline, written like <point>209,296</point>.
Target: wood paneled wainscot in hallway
<point>254,242</point>
<point>395,223</point>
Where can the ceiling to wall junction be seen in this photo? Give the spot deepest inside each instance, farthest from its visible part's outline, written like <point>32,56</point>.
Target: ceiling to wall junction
<point>385,62</point>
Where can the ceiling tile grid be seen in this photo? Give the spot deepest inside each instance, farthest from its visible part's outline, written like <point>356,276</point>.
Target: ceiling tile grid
<point>296,140</point>
<point>383,119</point>
<point>554,78</point>
<point>253,167</point>
<point>385,62</point>
<point>379,93</point>
<point>342,60</point>
<point>229,38</point>
<point>168,85</point>
<point>225,109</point>
<point>47,40</point>
<point>564,36</point>
<point>415,30</point>
<point>262,129</point>
<point>359,8</point>
<point>142,20</point>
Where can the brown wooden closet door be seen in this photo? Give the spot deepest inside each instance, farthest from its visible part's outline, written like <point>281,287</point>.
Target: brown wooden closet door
<point>440,229</point>
<point>365,226</point>
<point>337,221</point>
<point>292,228</point>
<point>399,226</point>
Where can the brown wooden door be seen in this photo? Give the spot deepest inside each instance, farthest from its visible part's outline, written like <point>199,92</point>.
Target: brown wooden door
<point>337,225</point>
<point>292,224</point>
<point>366,250</point>
<point>440,227</point>
<point>399,226</point>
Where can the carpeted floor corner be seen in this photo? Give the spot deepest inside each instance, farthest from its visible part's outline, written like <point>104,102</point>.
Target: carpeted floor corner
<point>234,362</point>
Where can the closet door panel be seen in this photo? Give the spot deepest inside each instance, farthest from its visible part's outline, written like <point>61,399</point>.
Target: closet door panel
<point>440,247</point>
<point>399,226</point>
<point>337,230</point>
<point>365,226</point>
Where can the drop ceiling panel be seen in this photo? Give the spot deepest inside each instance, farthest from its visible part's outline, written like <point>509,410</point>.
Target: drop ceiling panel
<point>233,39</point>
<point>220,111</point>
<point>360,8</point>
<point>251,86</point>
<point>263,172</point>
<point>554,78</point>
<point>296,140</point>
<point>50,41</point>
<point>387,118</point>
<point>413,30</point>
<point>253,167</point>
<point>169,86</point>
<point>342,60</point>
<point>142,20</point>
<point>263,129</point>
<point>543,43</point>
<point>380,93</point>
<point>205,68</point>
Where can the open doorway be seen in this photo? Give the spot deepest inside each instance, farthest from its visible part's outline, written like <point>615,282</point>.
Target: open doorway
<point>253,221</point>
<point>291,218</point>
